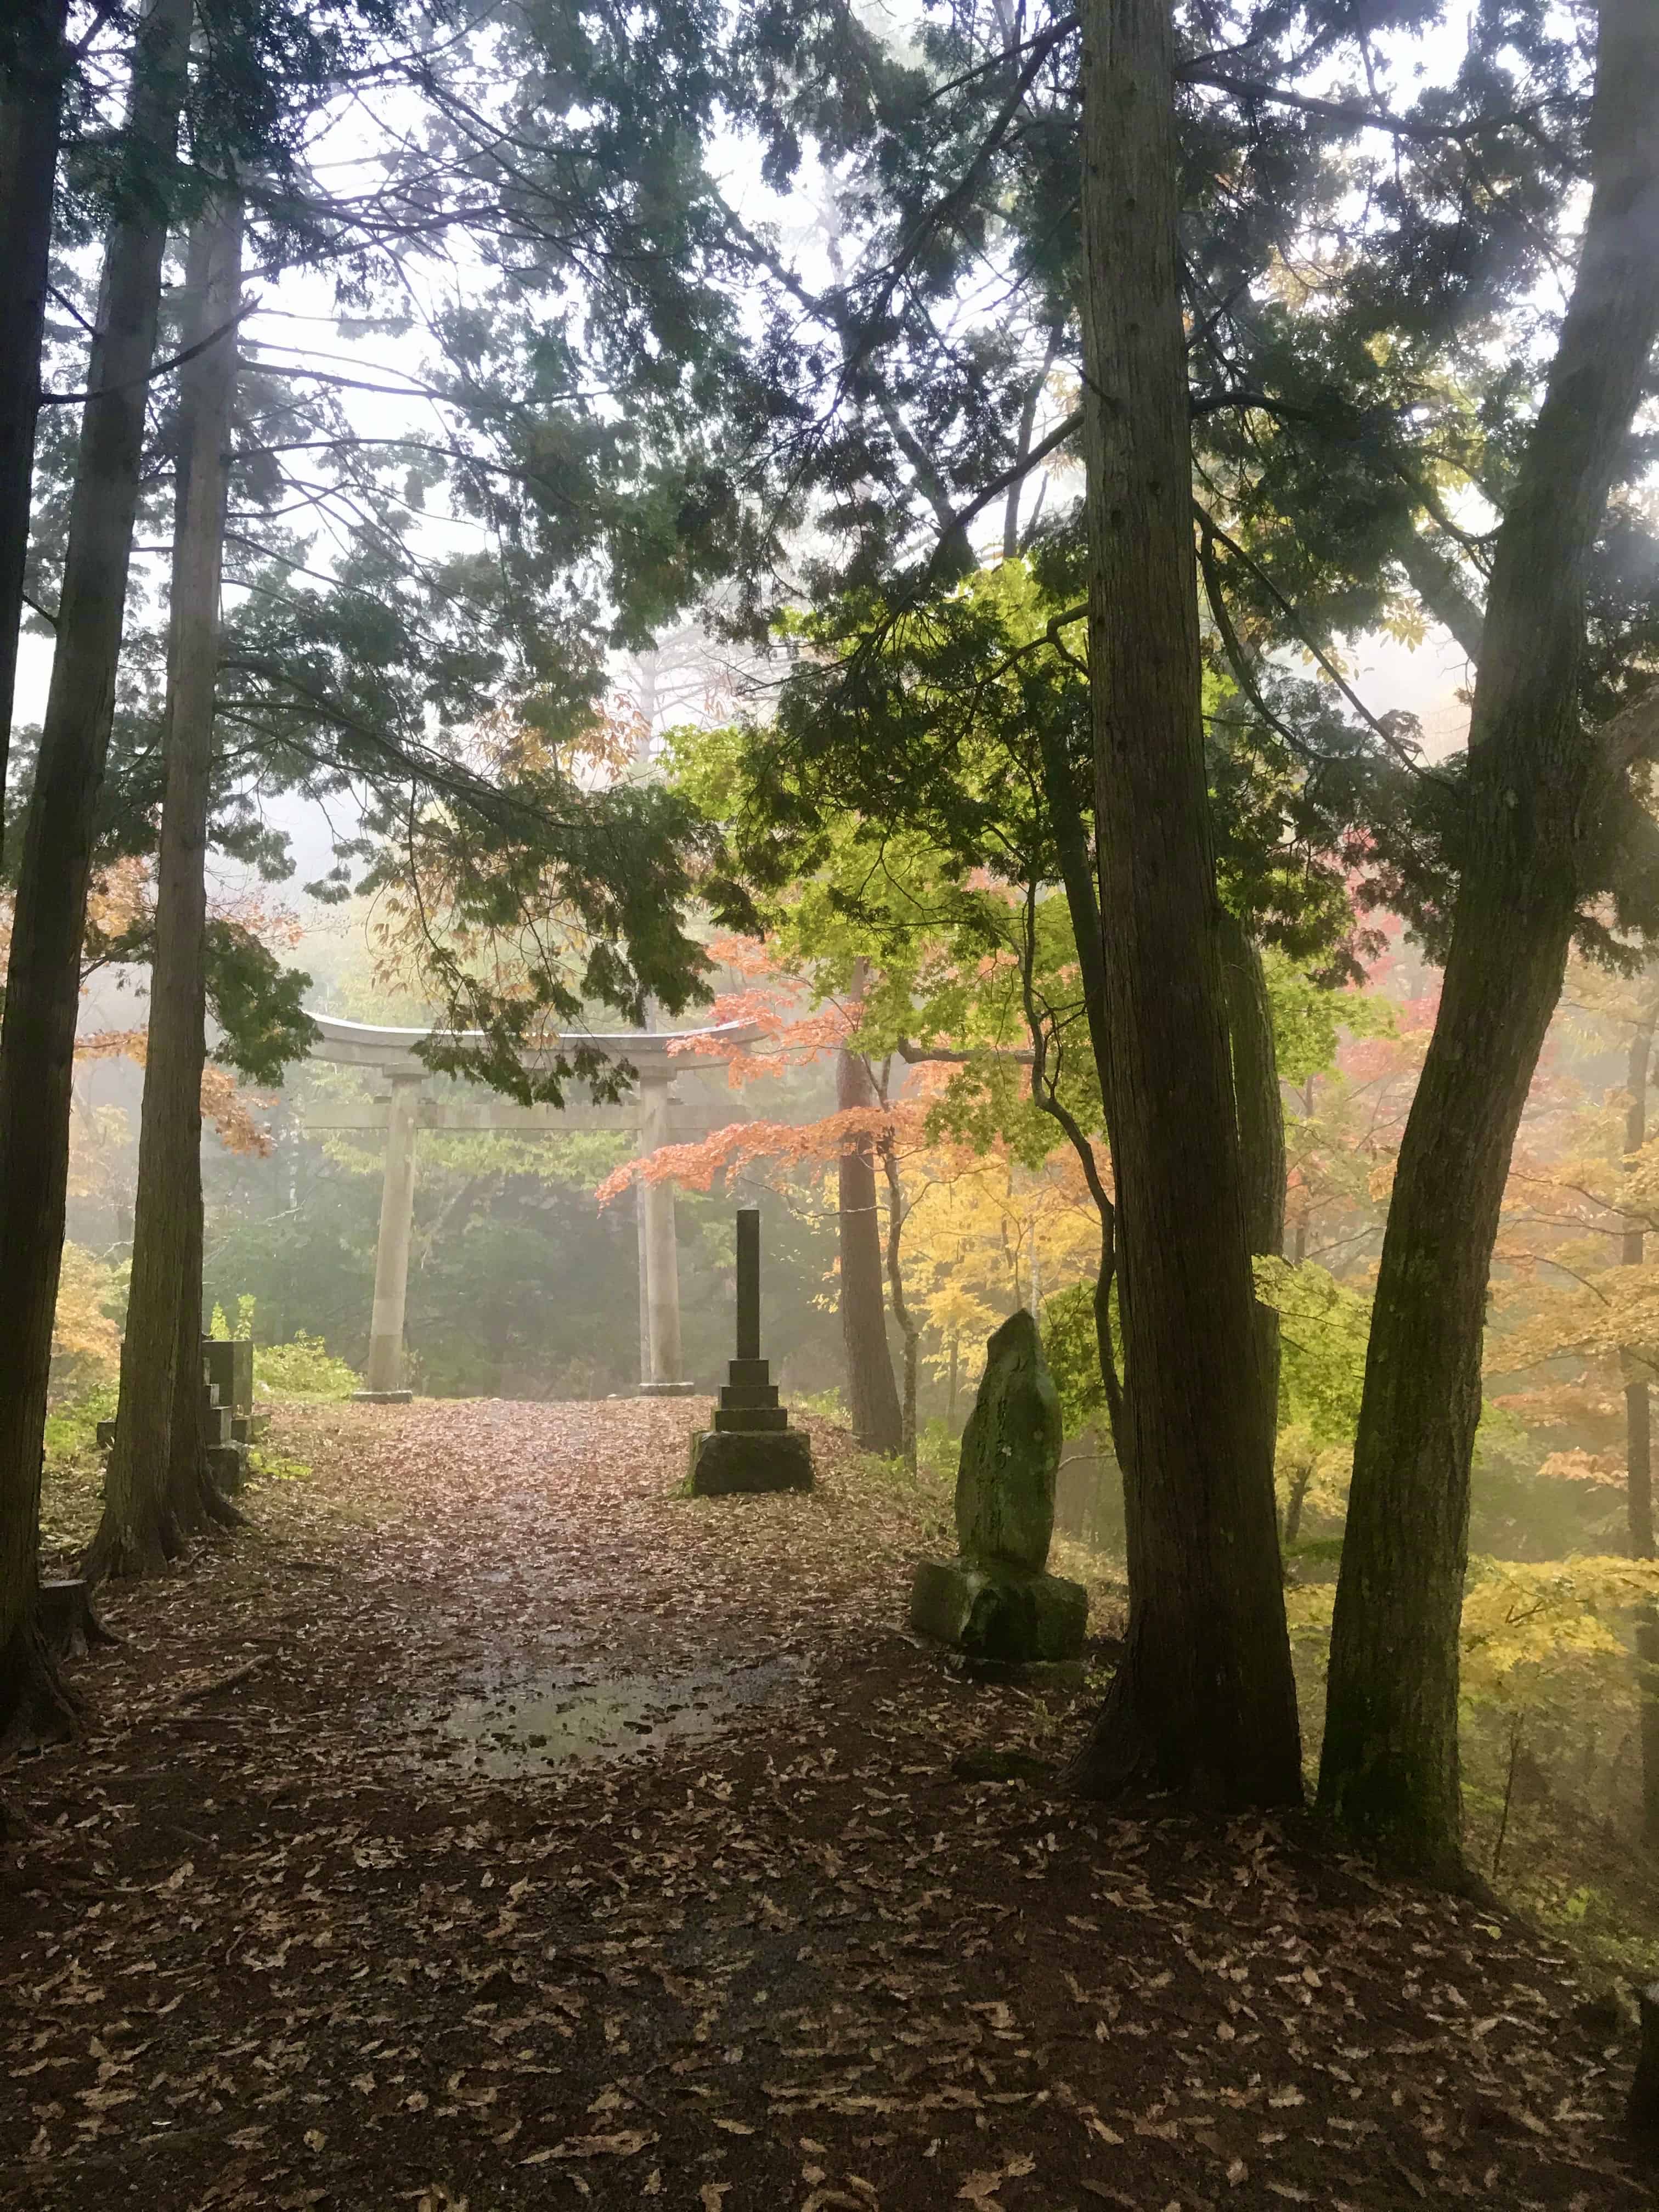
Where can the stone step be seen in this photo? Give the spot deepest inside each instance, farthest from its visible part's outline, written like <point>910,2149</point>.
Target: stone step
<point>752,1420</point>
<point>219,1425</point>
<point>230,1367</point>
<point>735,1395</point>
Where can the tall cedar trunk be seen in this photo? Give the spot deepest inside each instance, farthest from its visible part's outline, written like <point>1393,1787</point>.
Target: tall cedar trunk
<point>1261,1110</point>
<point>1639,1442</point>
<point>1204,1701</point>
<point>140,1529</point>
<point>872,1394</point>
<point>43,984</point>
<point>31,121</point>
<point>1537,781</point>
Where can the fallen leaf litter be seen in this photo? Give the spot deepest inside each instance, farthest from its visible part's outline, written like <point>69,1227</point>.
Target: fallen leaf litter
<point>285,1931</point>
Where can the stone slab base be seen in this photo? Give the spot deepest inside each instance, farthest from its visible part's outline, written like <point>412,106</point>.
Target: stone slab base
<point>669,1389</point>
<point>727,1460</point>
<point>227,1465</point>
<point>999,1614</point>
<point>1063,1674</point>
<point>68,1623</point>
<point>381,1397</point>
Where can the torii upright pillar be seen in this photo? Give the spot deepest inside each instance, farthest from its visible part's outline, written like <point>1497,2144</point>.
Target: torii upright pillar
<point>383,1380</point>
<point>664,1375</point>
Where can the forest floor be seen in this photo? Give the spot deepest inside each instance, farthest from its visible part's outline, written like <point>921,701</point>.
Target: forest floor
<point>489,1825</point>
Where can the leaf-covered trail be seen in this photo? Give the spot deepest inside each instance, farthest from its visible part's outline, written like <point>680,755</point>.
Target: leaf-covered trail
<point>278,1937</point>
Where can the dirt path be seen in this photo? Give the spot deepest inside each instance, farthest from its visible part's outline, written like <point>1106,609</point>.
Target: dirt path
<point>314,1918</point>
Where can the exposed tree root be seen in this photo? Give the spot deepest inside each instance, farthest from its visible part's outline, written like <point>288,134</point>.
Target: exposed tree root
<point>1138,1748</point>
<point>118,1553</point>
<point>198,1505</point>
<point>37,1705</point>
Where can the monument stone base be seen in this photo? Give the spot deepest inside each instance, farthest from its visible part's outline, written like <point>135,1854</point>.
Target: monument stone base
<point>670,1389</point>
<point>1000,1614</point>
<point>227,1465</point>
<point>381,1397</point>
<point>726,1461</point>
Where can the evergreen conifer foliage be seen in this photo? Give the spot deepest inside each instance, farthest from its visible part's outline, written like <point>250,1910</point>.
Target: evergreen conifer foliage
<point>1542,780</point>
<point>37,1038</point>
<point>34,63</point>
<point>1342,251</point>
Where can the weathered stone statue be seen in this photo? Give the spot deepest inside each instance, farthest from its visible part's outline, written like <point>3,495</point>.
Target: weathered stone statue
<point>752,1445</point>
<point>996,1602</point>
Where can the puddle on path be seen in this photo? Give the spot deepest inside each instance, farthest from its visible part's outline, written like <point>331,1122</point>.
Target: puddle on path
<point>525,1728</point>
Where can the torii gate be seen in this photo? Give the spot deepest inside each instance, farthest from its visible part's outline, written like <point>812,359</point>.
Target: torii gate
<point>665,1109</point>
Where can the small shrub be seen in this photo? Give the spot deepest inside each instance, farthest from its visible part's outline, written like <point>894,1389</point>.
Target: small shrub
<point>827,1406</point>
<point>221,1329</point>
<point>72,1477</point>
<point>267,1466</point>
<point>938,1451</point>
<point>72,1420</point>
<point>305,1369</point>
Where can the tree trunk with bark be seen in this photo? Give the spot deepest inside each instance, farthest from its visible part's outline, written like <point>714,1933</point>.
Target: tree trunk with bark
<point>31,124</point>
<point>1435,579</point>
<point>1538,780</point>
<point>1083,904</point>
<point>1204,1703</point>
<point>146,1511</point>
<point>1304,1465</point>
<point>909,1334</point>
<point>1638,1440</point>
<point>43,985</point>
<point>872,1394</point>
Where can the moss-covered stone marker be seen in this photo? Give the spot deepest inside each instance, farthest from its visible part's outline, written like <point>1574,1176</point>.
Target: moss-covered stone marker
<point>997,1601</point>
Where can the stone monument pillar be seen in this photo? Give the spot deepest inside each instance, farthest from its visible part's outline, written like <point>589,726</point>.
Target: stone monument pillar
<point>752,1445</point>
<point>997,1601</point>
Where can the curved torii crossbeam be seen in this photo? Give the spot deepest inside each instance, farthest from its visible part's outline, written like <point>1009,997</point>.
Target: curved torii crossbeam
<point>663,1109</point>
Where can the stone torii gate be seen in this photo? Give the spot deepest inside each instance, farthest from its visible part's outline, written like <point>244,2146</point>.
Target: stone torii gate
<point>677,1099</point>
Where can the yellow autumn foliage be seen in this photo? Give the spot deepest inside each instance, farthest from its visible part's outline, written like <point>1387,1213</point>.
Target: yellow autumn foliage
<point>981,1234</point>
<point>1526,1620</point>
<point>1616,1312</point>
<point>1532,1629</point>
<point>81,1329</point>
